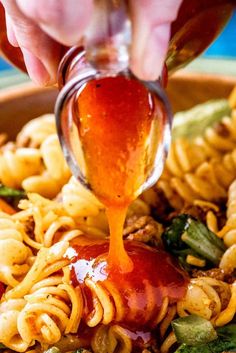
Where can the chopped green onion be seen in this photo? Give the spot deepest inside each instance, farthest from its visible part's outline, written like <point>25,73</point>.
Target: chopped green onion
<point>193,330</point>
<point>10,192</point>
<point>226,342</point>
<point>199,238</point>
<point>187,236</point>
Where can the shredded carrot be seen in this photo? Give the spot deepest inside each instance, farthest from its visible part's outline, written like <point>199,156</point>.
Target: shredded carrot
<point>5,207</point>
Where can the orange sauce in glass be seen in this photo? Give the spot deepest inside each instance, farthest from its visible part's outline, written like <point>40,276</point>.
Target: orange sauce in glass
<point>115,117</point>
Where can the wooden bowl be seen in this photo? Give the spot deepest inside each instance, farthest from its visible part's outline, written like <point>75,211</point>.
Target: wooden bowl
<point>21,103</point>
<point>27,101</point>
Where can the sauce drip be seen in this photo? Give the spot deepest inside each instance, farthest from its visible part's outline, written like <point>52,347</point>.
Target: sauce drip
<point>137,296</point>
<point>119,119</point>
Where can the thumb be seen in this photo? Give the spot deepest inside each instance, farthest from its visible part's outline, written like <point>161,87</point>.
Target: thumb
<point>151,22</point>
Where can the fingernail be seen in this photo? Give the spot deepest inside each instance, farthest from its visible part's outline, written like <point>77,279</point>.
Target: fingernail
<point>155,52</point>
<point>36,68</point>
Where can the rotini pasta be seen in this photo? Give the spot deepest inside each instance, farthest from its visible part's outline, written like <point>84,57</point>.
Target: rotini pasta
<point>54,161</point>
<point>42,184</point>
<point>203,168</point>
<point>38,159</point>
<point>36,131</point>
<point>49,312</point>
<point>206,297</point>
<point>9,334</point>
<point>78,201</point>
<point>50,222</point>
<point>52,308</point>
<point>107,339</point>
<point>26,161</point>
<point>50,294</point>
<point>14,254</point>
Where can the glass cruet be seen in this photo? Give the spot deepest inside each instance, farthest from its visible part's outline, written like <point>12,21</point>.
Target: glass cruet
<point>106,54</point>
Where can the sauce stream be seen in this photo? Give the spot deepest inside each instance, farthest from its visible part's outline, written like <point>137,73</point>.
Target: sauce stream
<point>120,125</point>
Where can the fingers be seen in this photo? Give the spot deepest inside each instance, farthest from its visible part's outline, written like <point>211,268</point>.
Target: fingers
<point>63,20</point>
<point>41,53</point>
<point>39,26</point>
<point>151,33</point>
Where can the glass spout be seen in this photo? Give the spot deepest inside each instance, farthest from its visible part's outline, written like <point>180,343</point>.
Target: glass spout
<point>108,37</point>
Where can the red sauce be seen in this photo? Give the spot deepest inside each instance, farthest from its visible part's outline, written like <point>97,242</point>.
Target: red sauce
<point>155,276</point>
<point>117,119</point>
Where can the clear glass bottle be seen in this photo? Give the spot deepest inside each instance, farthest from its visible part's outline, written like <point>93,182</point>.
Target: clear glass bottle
<point>105,60</point>
<point>106,55</point>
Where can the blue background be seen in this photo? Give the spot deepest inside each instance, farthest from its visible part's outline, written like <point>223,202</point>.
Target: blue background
<point>225,45</point>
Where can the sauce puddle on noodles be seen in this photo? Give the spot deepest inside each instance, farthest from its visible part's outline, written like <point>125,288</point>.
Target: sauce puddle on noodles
<point>134,298</point>
<point>118,119</point>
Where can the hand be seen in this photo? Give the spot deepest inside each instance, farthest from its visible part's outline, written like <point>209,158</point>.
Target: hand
<point>41,28</point>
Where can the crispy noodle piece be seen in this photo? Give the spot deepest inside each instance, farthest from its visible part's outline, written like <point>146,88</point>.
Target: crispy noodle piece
<point>144,229</point>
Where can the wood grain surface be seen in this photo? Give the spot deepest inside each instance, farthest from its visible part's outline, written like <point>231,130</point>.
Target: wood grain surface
<point>21,103</point>
<point>188,89</point>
